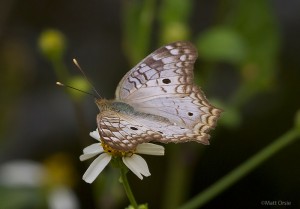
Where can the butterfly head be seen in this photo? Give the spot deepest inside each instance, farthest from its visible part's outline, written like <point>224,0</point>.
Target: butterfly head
<point>102,104</point>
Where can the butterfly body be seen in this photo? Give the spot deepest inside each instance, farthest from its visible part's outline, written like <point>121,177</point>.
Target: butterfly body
<point>126,109</point>
<point>158,101</point>
<point>104,104</point>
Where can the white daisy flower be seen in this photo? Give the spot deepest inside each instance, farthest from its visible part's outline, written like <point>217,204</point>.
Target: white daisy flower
<point>133,161</point>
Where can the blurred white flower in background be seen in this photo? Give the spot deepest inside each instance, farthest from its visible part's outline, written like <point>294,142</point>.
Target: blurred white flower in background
<point>23,184</point>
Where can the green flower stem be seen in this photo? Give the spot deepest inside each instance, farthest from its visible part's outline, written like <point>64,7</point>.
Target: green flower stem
<point>242,170</point>
<point>127,188</point>
<point>60,70</point>
<point>174,194</point>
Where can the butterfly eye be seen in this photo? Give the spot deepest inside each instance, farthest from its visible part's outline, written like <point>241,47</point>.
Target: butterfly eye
<point>190,114</point>
<point>160,132</point>
<point>166,81</point>
<point>133,128</point>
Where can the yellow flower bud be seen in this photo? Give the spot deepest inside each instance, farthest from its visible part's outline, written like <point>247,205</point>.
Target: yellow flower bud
<point>52,44</point>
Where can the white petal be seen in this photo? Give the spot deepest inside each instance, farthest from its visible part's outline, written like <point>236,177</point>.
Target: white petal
<point>95,134</point>
<point>93,148</point>
<point>96,167</point>
<point>150,149</point>
<point>87,156</point>
<point>137,165</point>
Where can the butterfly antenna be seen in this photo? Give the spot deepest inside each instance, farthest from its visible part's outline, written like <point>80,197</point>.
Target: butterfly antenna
<point>71,87</point>
<point>83,73</point>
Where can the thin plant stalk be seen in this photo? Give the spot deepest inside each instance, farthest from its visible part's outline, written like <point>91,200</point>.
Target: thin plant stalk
<point>127,188</point>
<point>238,173</point>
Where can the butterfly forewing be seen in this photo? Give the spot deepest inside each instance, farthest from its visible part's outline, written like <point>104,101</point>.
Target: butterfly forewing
<point>168,66</point>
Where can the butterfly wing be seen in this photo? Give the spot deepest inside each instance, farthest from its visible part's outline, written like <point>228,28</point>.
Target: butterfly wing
<point>125,131</point>
<point>162,84</point>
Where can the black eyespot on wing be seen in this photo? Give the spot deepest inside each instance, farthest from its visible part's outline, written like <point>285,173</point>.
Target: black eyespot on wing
<point>190,114</point>
<point>160,132</point>
<point>133,128</point>
<point>166,81</point>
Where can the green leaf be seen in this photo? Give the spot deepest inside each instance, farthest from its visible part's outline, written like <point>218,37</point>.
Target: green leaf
<point>222,44</point>
<point>173,18</point>
<point>138,18</point>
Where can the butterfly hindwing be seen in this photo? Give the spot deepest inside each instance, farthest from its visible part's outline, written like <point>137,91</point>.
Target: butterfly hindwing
<point>125,131</point>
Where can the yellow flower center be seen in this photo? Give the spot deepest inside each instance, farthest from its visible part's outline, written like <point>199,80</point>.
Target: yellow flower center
<point>114,152</point>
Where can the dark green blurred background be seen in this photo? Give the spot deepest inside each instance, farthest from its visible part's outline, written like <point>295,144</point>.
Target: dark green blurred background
<point>248,65</point>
